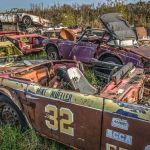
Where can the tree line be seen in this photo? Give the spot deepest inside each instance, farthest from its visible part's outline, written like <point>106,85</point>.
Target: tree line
<point>137,13</point>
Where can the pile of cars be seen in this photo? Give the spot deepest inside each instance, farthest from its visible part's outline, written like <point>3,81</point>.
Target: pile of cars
<point>57,99</point>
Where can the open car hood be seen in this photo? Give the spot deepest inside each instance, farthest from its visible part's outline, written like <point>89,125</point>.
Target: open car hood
<point>117,26</point>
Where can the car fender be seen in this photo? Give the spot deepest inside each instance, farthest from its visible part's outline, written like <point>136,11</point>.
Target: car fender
<point>13,97</point>
<point>103,54</point>
<point>53,44</point>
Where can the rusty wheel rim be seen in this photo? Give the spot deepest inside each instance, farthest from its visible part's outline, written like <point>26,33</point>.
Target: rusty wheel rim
<point>27,22</point>
<point>8,116</point>
<point>52,56</point>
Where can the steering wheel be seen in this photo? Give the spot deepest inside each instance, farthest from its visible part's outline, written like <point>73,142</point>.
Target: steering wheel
<point>87,32</point>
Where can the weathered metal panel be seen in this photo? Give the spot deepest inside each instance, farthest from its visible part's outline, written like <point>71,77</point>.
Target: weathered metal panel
<point>68,117</point>
<point>86,124</point>
<point>125,126</point>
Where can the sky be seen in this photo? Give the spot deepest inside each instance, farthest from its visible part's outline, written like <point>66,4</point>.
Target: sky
<point>7,4</point>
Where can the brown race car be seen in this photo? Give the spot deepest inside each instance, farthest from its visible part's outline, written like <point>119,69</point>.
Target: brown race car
<point>56,100</point>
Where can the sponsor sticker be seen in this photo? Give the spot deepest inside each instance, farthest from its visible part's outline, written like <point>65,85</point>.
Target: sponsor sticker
<point>147,147</point>
<point>120,123</point>
<point>61,96</point>
<point>127,139</point>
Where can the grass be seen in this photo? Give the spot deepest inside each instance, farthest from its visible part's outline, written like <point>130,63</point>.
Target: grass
<point>13,139</point>
<point>93,80</point>
<point>35,56</point>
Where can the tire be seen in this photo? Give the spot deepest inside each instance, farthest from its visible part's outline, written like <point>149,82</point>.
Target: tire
<point>52,53</point>
<point>27,21</point>
<point>112,60</point>
<point>10,114</point>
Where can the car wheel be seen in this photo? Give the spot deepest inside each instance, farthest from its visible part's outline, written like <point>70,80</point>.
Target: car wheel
<point>27,21</point>
<point>52,53</point>
<point>112,60</point>
<point>10,114</point>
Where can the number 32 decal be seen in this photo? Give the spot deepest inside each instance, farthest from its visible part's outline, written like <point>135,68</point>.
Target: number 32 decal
<point>62,117</point>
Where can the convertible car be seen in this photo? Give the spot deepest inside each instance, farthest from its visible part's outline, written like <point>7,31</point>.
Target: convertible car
<point>55,99</point>
<point>16,15</point>
<point>118,45</point>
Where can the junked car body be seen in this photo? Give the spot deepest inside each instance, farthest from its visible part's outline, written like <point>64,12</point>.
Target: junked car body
<point>118,45</point>
<point>3,34</point>
<point>28,43</point>
<point>16,15</point>
<point>53,97</point>
<point>8,49</point>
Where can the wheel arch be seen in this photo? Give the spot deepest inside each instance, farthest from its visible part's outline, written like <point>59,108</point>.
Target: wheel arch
<point>106,55</point>
<point>52,44</point>
<point>12,97</point>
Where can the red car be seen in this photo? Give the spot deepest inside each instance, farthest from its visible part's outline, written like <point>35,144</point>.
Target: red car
<point>3,34</point>
<point>28,43</point>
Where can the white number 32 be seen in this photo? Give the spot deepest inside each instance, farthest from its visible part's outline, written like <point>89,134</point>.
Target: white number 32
<point>63,118</point>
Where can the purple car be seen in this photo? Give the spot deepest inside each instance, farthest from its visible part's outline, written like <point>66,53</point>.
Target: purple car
<point>118,44</point>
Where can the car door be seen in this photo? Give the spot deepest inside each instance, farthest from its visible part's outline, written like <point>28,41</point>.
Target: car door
<point>70,118</point>
<point>84,51</point>
<point>125,126</point>
<point>65,48</point>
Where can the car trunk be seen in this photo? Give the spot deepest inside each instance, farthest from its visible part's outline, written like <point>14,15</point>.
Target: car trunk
<point>142,51</point>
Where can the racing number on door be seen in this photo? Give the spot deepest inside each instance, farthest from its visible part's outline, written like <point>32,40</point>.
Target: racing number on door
<point>52,121</point>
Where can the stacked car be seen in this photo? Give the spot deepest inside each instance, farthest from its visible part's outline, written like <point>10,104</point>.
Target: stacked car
<point>89,95</point>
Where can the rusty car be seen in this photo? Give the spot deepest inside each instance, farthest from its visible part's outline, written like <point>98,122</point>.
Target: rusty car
<point>3,34</point>
<point>28,43</point>
<point>18,15</point>
<point>56,99</point>
<point>118,45</point>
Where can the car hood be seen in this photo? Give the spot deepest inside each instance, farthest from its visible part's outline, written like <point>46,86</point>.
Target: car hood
<point>117,26</point>
<point>143,51</point>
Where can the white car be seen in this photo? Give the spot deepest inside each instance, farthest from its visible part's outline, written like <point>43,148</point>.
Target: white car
<point>16,15</point>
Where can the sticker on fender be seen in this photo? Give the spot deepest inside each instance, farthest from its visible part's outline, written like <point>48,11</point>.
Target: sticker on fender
<point>119,136</point>
<point>120,123</point>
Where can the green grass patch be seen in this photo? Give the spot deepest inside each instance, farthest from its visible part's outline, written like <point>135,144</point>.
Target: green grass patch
<point>13,139</point>
<point>35,56</point>
<point>93,79</point>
